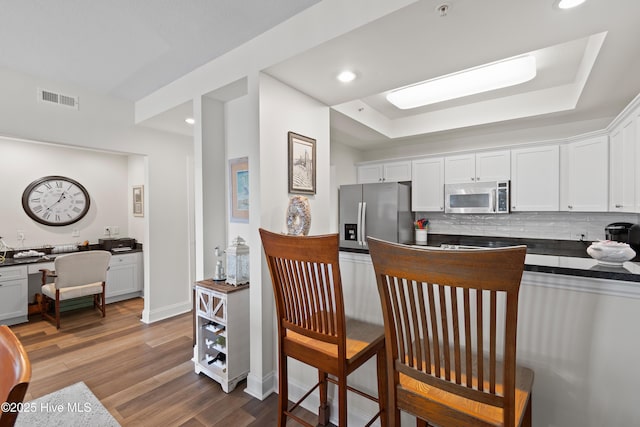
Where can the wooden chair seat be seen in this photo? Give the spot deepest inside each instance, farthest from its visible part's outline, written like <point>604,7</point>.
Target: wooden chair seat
<point>473,412</point>
<point>363,341</point>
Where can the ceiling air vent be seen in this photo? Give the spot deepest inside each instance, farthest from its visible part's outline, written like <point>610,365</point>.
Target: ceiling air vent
<point>57,98</point>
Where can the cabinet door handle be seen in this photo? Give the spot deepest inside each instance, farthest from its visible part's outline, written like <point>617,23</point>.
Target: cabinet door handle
<point>513,207</point>
<point>570,207</point>
<point>472,179</point>
<point>477,178</point>
<point>618,206</point>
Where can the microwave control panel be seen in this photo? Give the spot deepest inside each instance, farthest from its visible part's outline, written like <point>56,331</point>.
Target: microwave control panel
<point>502,199</point>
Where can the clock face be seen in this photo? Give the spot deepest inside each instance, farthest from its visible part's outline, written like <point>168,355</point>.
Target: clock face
<point>55,200</point>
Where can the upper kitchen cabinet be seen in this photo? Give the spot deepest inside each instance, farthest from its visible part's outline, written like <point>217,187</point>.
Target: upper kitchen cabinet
<point>535,178</point>
<point>427,185</point>
<point>584,175</point>
<point>475,167</point>
<point>384,172</point>
<point>624,150</point>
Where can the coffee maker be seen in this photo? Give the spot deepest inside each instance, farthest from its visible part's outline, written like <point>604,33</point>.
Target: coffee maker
<point>618,231</point>
<point>625,232</point>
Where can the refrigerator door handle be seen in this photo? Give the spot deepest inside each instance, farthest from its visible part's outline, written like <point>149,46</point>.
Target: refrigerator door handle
<point>359,225</point>
<point>364,223</point>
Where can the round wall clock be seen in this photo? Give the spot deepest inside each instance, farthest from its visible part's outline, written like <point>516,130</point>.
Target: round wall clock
<point>55,200</point>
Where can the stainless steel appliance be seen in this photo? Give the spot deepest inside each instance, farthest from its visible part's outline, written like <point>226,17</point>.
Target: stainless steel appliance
<point>491,197</point>
<point>618,231</point>
<point>381,210</point>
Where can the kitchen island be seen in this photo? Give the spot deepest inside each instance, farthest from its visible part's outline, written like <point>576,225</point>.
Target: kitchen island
<point>576,329</point>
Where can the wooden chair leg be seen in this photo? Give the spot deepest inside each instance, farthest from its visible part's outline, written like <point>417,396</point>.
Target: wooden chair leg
<point>324,409</point>
<point>383,395</point>
<point>526,419</point>
<point>283,395</point>
<point>57,309</point>
<point>44,305</point>
<point>342,400</point>
<point>102,300</point>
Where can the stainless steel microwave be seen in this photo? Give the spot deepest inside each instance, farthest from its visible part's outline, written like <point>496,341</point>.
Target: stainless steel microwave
<point>491,197</point>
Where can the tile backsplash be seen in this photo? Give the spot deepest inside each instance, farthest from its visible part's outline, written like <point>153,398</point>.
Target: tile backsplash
<point>540,225</point>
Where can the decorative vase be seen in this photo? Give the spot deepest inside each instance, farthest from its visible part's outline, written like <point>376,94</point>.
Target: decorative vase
<point>298,216</point>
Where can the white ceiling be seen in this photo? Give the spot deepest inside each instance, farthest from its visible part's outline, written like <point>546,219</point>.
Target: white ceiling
<point>129,48</point>
<point>589,57</point>
<point>588,66</point>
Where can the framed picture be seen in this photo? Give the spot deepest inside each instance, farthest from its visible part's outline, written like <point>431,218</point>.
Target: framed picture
<point>239,188</point>
<point>138,200</point>
<point>302,164</point>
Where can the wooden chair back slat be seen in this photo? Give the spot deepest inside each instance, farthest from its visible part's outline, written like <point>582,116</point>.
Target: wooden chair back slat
<point>307,284</point>
<point>449,317</point>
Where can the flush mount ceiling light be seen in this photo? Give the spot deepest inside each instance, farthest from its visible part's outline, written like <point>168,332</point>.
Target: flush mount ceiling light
<point>190,120</point>
<point>480,79</point>
<point>346,76</point>
<point>568,4</point>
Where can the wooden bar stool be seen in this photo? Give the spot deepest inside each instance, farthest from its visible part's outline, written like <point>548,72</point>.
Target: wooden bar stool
<point>312,326</point>
<point>15,374</point>
<point>450,326</point>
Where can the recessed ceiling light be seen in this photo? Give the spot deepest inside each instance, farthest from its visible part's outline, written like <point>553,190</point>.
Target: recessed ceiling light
<point>347,76</point>
<point>190,120</point>
<point>484,78</point>
<point>568,4</point>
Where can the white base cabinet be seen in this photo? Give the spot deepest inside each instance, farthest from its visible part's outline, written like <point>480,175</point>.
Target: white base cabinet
<point>125,276</point>
<point>221,349</point>
<point>13,295</point>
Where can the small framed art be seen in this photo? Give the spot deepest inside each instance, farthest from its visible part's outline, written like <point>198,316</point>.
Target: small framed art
<point>138,200</point>
<point>302,164</point>
<point>239,189</point>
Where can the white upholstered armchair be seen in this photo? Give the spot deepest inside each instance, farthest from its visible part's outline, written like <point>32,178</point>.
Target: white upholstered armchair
<point>76,275</point>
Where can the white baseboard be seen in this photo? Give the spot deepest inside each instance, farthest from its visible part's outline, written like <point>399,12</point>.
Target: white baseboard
<point>261,388</point>
<point>151,316</point>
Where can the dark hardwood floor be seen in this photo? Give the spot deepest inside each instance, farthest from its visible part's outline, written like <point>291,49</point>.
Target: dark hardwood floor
<point>142,374</point>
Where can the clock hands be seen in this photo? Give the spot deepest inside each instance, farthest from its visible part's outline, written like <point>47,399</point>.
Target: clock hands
<point>62,197</point>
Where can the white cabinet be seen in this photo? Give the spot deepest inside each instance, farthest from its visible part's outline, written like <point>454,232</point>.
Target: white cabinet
<point>124,277</point>
<point>474,167</point>
<point>535,178</point>
<point>222,332</point>
<point>384,172</point>
<point>427,185</point>
<point>13,295</point>
<point>624,151</point>
<point>584,175</point>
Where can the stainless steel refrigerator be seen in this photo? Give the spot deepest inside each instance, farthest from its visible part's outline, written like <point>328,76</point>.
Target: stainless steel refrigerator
<point>381,210</point>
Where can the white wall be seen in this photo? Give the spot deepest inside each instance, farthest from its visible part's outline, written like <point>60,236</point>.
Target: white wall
<point>107,124</point>
<point>283,109</point>
<point>103,175</point>
<point>239,140</point>
<point>136,176</point>
<point>479,138</point>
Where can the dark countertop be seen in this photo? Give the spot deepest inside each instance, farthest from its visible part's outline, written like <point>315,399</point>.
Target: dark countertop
<point>10,261</point>
<point>567,257</point>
